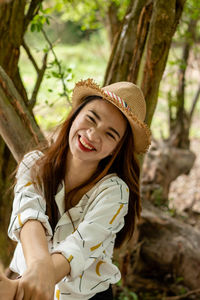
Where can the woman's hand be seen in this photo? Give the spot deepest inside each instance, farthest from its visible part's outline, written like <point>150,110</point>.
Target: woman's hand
<point>38,282</point>
<point>8,288</point>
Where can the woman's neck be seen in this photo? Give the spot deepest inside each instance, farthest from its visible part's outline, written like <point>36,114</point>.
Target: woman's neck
<point>77,172</point>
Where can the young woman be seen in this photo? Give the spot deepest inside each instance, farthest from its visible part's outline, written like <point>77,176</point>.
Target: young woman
<point>80,198</point>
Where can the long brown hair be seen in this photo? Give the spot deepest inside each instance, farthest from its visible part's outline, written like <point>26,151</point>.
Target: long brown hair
<point>123,162</point>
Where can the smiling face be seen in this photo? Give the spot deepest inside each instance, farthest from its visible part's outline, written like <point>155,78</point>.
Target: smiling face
<point>96,131</point>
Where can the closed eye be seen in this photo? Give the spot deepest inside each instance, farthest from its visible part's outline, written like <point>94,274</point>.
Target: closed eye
<point>92,119</point>
<point>111,135</point>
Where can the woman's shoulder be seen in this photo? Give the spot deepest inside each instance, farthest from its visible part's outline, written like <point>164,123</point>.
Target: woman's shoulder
<point>28,160</point>
<point>112,187</point>
<point>33,155</point>
<point>30,157</point>
<point>111,180</point>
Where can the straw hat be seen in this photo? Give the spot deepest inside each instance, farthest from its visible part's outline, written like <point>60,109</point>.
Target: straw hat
<point>126,96</point>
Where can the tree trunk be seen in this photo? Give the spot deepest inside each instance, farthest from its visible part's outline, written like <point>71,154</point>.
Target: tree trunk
<point>13,24</point>
<point>11,34</point>
<point>112,22</point>
<point>124,46</point>
<point>17,125</point>
<point>145,37</point>
<point>172,157</point>
<point>180,124</point>
<point>164,246</point>
<point>7,166</point>
<point>21,133</point>
<point>14,19</point>
<point>164,21</point>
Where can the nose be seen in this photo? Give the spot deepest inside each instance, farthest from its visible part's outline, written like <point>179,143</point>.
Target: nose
<point>93,134</point>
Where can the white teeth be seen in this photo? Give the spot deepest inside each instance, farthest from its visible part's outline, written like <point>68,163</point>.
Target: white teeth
<point>84,144</point>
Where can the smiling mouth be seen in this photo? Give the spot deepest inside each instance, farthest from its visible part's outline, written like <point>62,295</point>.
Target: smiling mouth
<point>85,145</point>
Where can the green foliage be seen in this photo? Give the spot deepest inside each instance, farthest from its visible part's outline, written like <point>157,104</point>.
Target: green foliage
<point>168,100</point>
<point>157,197</point>
<point>172,212</point>
<point>79,61</point>
<point>72,33</point>
<point>179,279</point>
<point>191,10</point>
<point>89,13</point>
<point>183,291</point>
<point>65,74</point>
<point>43,17</point>
<point>127,294</point>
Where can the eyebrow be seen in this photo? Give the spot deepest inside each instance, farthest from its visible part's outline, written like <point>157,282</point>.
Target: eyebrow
<point>110,128</point>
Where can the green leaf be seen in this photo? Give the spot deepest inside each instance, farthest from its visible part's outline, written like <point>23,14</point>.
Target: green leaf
<point>33,27</point>
<point>133,295</point>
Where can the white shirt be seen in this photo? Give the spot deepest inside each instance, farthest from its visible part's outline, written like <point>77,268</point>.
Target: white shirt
<point>97,218</point>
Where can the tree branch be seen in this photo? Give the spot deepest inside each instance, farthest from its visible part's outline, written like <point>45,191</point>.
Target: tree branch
<point>32,11</point>
<point>194,102</point>
<point>18,126</point>
<point>169,107</point>
<point>111,21</point>
<point>58,64</point>
<point>38,82</point>
<point>30,56</point>
<point>197,291</point>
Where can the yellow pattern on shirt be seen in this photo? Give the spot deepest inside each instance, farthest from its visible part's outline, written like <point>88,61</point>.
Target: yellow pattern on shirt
<point>118,211</point>
<point>70,258</point>
<point>98,267</point>
<point>57,294</point>
<point>95,247</point>
<point>28,183</point>
<point>19,220</point>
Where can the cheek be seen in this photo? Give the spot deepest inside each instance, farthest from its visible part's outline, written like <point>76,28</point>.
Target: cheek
<point>74,127</point>
<point>109,148</point>
<point>71,132</point>
<point>78,123</point>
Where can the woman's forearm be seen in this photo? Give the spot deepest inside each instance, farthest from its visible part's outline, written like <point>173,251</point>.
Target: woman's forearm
<point>61,265</point>
<point>34,242</point>
<point>35,248</point>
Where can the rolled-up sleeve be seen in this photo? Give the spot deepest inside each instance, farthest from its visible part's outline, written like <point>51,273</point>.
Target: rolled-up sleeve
<point>29,203</point>
<point>104,218</point>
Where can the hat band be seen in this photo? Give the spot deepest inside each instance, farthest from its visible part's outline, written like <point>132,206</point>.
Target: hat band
<point>120,100</point>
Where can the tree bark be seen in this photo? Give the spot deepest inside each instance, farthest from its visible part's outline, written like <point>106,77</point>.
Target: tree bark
<point>17,125</point>
<point>21,133</point>
<point>11,34</point>
<point>172,157</point>
<point>13,24</point>
<point>7,166</point>
<point>163,245</point>
<point>164,21</point>
<point>141,48</point>
<point>112,22</point>
<point>125,43</point>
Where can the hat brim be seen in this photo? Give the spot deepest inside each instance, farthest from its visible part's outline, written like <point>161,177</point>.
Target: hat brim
<point>141,132</point>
